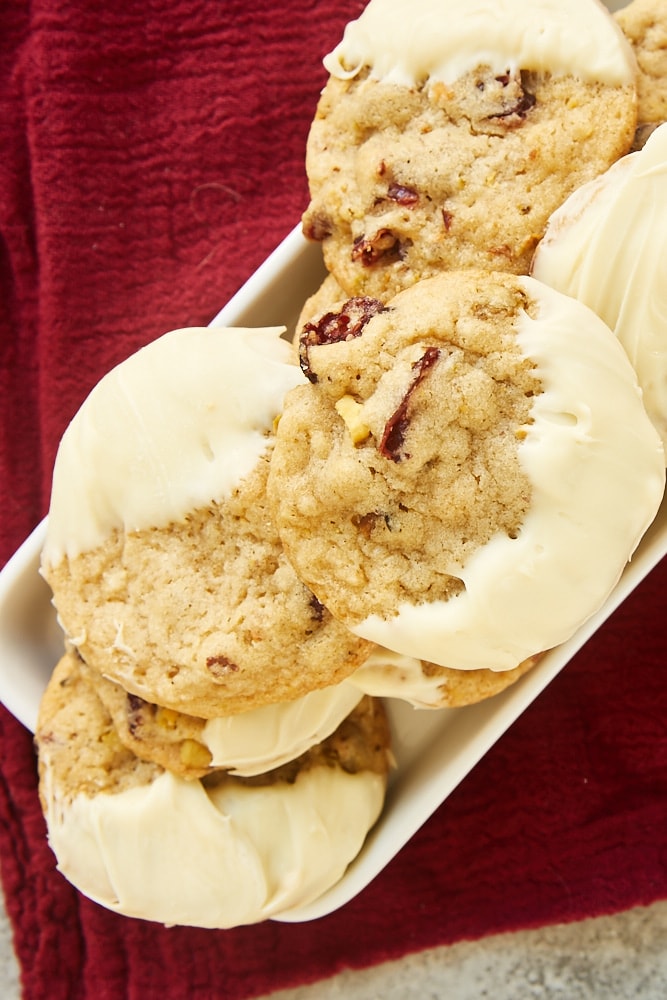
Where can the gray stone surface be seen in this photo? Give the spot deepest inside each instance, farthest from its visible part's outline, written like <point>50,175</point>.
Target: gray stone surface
<point>9,970</point>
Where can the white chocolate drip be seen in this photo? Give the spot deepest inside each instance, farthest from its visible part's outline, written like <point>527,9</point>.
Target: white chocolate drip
<point>410,41</point>
<point>607,246</point>
<point>173,852</point>
<point>173,428</point>
<point>271,735</point>
<point>386,674</point>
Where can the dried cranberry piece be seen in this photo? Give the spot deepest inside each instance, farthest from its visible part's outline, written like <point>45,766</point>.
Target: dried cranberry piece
<point>522,104</point>
<point>220,665</point>
<point>520,109</point>
<point>317,608</point>
<point>395,428</point>
<point>317,228</point>
<point>402,194</point>
<point>345,324</point>
<point>384,245</point>
<point>135,707</point>
<point>365,523</point>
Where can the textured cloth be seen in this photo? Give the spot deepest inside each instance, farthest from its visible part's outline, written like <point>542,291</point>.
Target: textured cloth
<point>151,156</point>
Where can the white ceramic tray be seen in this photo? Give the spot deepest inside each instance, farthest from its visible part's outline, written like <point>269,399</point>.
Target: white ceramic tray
<point>434,750</point>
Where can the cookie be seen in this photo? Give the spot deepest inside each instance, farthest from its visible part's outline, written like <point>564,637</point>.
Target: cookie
<point>167,572</point>
<point>386,674</point>
<point>607,247</point>
<point>246,744</point>
<point>468,470</point>
<point>644,23</point>
<point>219,852</point>
<point>447,133</point>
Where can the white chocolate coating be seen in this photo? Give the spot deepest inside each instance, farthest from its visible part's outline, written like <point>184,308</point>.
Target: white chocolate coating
<point>386,674</point>
<point>266,737</point>
<point>410,41</point>
<point>172,852</point>
<point>607,246</point>
<point>195,405</point>
<point>596,468</point>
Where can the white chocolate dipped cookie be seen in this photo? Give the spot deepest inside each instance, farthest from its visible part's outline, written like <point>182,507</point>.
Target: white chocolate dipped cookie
<point>167,572</point>
<point>215,853</point>
<point>449,130</point>
<point>607,247</point>
<point>468,471</point>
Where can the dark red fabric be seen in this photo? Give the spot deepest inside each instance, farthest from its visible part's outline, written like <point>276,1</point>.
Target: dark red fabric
<point>151,155</point>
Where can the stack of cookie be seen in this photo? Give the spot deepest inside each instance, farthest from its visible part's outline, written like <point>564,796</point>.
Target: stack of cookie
<point>201,760</point>
<point>250,547</point>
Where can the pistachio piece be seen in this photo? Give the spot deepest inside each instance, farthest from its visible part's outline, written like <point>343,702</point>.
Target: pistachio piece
<point>351,412</point>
